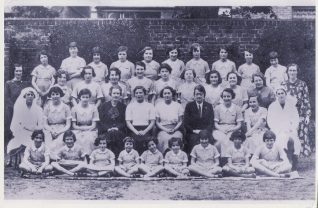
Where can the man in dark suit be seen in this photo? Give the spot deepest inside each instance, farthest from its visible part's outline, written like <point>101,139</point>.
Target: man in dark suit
<point>198,115</point>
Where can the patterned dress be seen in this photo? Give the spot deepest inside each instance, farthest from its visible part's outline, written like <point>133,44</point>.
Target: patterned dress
<point>299,90</point>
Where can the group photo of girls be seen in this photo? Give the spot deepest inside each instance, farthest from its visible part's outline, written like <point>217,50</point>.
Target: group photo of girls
<point>145,119</point>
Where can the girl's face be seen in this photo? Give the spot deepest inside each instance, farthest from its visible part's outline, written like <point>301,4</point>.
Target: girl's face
<point>148,54</point>
<point>204,142</point>
<point>122,56</point>
<point>62,80</point>
<point>173,55</point>
<point>113,77</point>
<point>164,73</point>
<point>73,51</point>
<point>175,147</point>
<point>214,79</point>
<point>274,62</point>
<point>248,57</point>
<point>88,75</point>
<point>38,139</point>
<point>232,79</point>
<point>196,53</point>
<point>253,103</point>
<point>44,59</point>
<point>292,72</point>
<point>85,99</point>
<point>69,141</point>
<point>237,142</point>
<point>258,82</point>
<point>269,143</point>
<point>129,146</point>
<point>102,144</point>
<point>227,97</point>
<point>140,71</point>
<point>29,97</point>
<point>115,94</point>
<point>18,73</point>
<point>188,75</point>
<point>223,54</point>
<point>140,95</point>
<point>281,96</point>
<point>152,146</point>
<point>167,95</point>
<point>55,96</point>
<point>96,57</point>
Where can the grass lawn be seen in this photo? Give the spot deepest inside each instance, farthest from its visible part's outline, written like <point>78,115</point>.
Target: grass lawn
<point>221,189</point>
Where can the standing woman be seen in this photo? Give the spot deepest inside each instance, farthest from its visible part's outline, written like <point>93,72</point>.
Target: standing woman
<point>224,65</point>
<point>200,66</point>
<point>126,68</point>
<point>140,118</point>
<point>241,98</point>
<point>265,94</point>
<point>99,67</point>
<point>96,93</point>
<point>62,77</point>
<point>73,65</point>
<point>186,89</point>
<point>43,76</point>
<point>176,64</point>
<point>213,88</point>
<point>151,65</point>
<point>169,116</point>
<point>57,120</point>
<point>299,90</point>
<point>247,70</point>
<point>112,119</point>
<point>27,117</point>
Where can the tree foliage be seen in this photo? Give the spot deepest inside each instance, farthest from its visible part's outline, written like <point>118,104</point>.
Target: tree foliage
<point>33,12</point>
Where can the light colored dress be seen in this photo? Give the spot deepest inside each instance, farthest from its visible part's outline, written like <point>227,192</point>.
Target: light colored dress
<point>129,159</point>
<point>186,92</point>
<point>201,67</point>
<point>246,71</point>
<point>213,94</point>
<point>100,159</point>
<point>145,82</point>
<point>224,67</point>
<point>43,76</point>
<point>151,71</point>
<point>177,68</point>
<point>126,68</point>
<point>176,161</point>
<point>275,76</point>
<point>205,157</point>
<point>169,118</point>
<point>85,117</point>
<point>92,86</point>
<point>152,160</point>
<point>73,65</point>
<point>101,71</point>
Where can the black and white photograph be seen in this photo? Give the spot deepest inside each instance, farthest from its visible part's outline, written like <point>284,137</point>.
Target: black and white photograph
<point>155,103</point>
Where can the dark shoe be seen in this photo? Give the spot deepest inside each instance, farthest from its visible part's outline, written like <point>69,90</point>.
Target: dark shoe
<point>294,162</point>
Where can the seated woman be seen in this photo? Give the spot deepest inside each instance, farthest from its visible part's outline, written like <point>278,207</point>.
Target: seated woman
<point>227,119</point>
<point>57,119</point>
<point>169,116</point>
<point>84,118</point>
<point>101,160</point>
<point>270,159</point>
<point>140,118</point>
<point>112,119</point>
<point>286,127</point>
<point>71,157</point>
<point>36,158</point>
<point>27,117</point>
<point>238,158</point>
<point>255,119</point>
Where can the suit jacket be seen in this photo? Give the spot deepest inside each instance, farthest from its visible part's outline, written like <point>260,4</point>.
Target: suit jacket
<point>192,118</point>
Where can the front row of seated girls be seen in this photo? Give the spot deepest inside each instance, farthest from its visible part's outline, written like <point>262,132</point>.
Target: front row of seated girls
<point>268,159</point>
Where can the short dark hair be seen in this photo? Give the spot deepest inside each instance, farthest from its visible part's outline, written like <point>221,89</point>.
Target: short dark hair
<point>140,87</point>
<point>146,49</point>
<point>195,46</point>
<point>238,134</point>
<point>228,90</point>
<point>200,88</point>
<point>273,55</point>
<point>37,132</point>
<point>269,135</point>
<point>69,133</point>
<point>149,139</point>
<point>43,52</point>
<point>17,65</point>
<point>261,75</point>
<point>140,63</point>
<point>223,48</point>
<point>87,67</point>
<point>165,66</point>
<point>183,73</point>
<point>207,76</point>
<point>254,94</point>
<point>56,89</point>
<point>175,139</point>
<point>171,48</point>
<point>169,88</point>
<point>239,78</point>
<point>84,91</point>
<point>116,70</point>
<point>122,48</point>
<point>115,87</point>
<point>129,139</point>
<point>206,134</point>
<point>62,71</point>
<point>100,137</point>
<point>293,64</point>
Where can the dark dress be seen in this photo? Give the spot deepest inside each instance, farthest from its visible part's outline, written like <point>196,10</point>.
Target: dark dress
<point>109,117</point>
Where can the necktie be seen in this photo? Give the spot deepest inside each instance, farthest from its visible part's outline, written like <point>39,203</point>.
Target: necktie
<point>200,111</point>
